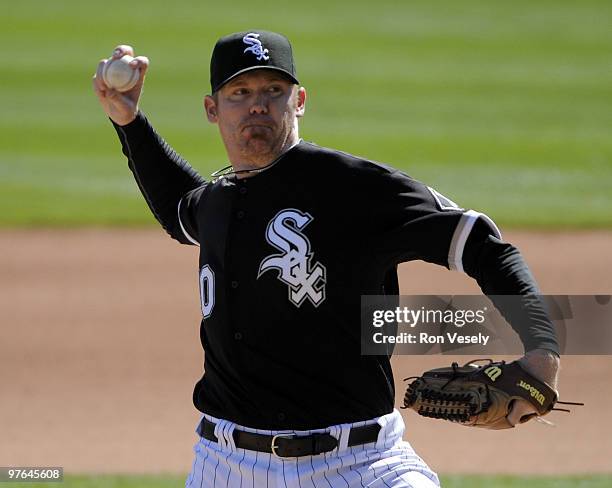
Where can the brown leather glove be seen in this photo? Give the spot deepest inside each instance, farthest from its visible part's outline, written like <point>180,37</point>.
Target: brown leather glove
<point>479,396</point>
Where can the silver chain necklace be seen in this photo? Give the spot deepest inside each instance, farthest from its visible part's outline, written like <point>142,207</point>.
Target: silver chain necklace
<point>229,170</point>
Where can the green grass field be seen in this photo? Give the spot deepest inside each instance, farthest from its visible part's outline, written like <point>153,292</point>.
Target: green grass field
<point>601,481</point>
<point>504,106</point>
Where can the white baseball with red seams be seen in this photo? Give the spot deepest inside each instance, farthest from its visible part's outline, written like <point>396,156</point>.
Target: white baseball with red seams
<point>118,74</point>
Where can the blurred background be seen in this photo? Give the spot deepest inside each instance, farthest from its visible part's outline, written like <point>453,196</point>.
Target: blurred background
<point>505,107</point>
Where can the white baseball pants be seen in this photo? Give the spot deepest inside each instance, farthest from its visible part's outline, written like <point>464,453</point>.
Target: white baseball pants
<point>389,462</point>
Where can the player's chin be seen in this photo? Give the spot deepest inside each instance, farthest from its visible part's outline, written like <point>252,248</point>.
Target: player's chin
<point>260,144</point>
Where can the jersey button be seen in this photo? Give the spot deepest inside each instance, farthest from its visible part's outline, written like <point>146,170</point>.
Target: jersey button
<point>281,416</point>
<point>240,214</point>
<point>242,190</point>
<point>238,336</point>
<point>234,284</point>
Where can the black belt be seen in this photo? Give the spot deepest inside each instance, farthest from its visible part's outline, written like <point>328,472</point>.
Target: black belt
<point>291,445</point>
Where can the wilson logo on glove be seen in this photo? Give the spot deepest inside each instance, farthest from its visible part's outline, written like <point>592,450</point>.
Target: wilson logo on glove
<point>493,372</point>
<point>536,395</point>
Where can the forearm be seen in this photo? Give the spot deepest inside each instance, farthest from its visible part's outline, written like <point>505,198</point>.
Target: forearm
<point>503,275</point>
<point>161,174</point>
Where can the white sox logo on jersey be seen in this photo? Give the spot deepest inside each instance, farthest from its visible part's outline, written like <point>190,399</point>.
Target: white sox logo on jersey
<point>304,278</point>
<point>255,46</point>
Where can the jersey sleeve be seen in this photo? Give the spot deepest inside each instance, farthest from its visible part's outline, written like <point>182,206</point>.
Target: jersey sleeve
<point>167,182</point>
<point>413,221</point>
<point>410,220</point>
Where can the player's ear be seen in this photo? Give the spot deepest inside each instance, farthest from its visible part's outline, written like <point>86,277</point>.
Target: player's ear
<point>300,108</point>
<point>210,107</point>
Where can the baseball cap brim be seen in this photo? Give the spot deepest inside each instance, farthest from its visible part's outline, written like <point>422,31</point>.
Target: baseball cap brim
<point>288,75</point>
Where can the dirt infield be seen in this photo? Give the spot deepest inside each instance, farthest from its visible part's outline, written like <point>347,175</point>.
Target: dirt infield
<point>99,352</point>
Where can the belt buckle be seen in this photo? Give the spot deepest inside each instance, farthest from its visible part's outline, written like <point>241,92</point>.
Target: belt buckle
<point>274,447</point>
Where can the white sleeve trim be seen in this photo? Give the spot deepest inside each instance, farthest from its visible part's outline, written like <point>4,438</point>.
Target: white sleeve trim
<point>189,238</point>
<point>460,237</point>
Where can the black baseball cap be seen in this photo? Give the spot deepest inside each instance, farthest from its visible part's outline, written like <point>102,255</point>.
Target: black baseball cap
<point>245,51</point>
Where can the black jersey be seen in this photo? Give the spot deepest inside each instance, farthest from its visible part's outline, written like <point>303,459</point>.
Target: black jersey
<point>285,257</point>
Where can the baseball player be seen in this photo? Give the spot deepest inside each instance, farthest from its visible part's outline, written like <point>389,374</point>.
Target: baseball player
<point>291,235</point>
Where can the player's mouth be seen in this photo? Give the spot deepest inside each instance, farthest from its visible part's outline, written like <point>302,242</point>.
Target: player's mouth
<point>257,131</point>
<point>257,126</point>
<point>258,123</point>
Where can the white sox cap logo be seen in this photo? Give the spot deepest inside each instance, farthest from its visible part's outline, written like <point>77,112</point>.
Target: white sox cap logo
<point>304,279</point>
<point>256,47</point>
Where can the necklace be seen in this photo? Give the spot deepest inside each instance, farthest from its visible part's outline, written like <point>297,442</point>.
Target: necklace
<point>229,169</point>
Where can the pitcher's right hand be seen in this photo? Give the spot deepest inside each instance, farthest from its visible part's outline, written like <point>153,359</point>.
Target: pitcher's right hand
<point>121,107</point>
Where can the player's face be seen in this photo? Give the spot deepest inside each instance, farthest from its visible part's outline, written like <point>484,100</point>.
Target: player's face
<point>257,116</point>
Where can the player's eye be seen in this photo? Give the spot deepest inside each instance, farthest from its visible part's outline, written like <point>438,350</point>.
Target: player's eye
<point>275,90</point>
<point>238,93</point>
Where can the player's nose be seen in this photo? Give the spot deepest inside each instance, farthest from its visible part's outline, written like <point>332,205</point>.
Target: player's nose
<point>260,104</point>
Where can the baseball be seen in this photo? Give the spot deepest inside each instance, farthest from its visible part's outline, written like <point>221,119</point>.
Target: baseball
<point>118,74</point>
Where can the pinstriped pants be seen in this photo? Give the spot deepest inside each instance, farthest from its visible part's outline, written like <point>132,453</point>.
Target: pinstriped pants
<point>389,462</point>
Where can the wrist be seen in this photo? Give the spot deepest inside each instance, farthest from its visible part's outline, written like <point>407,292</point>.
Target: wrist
<point>542,364</point>
<point>123,121</point>
<point>545,354</point>
<point>126,123</point>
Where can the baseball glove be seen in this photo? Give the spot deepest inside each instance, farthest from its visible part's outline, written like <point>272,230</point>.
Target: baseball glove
<point>479,396</point>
